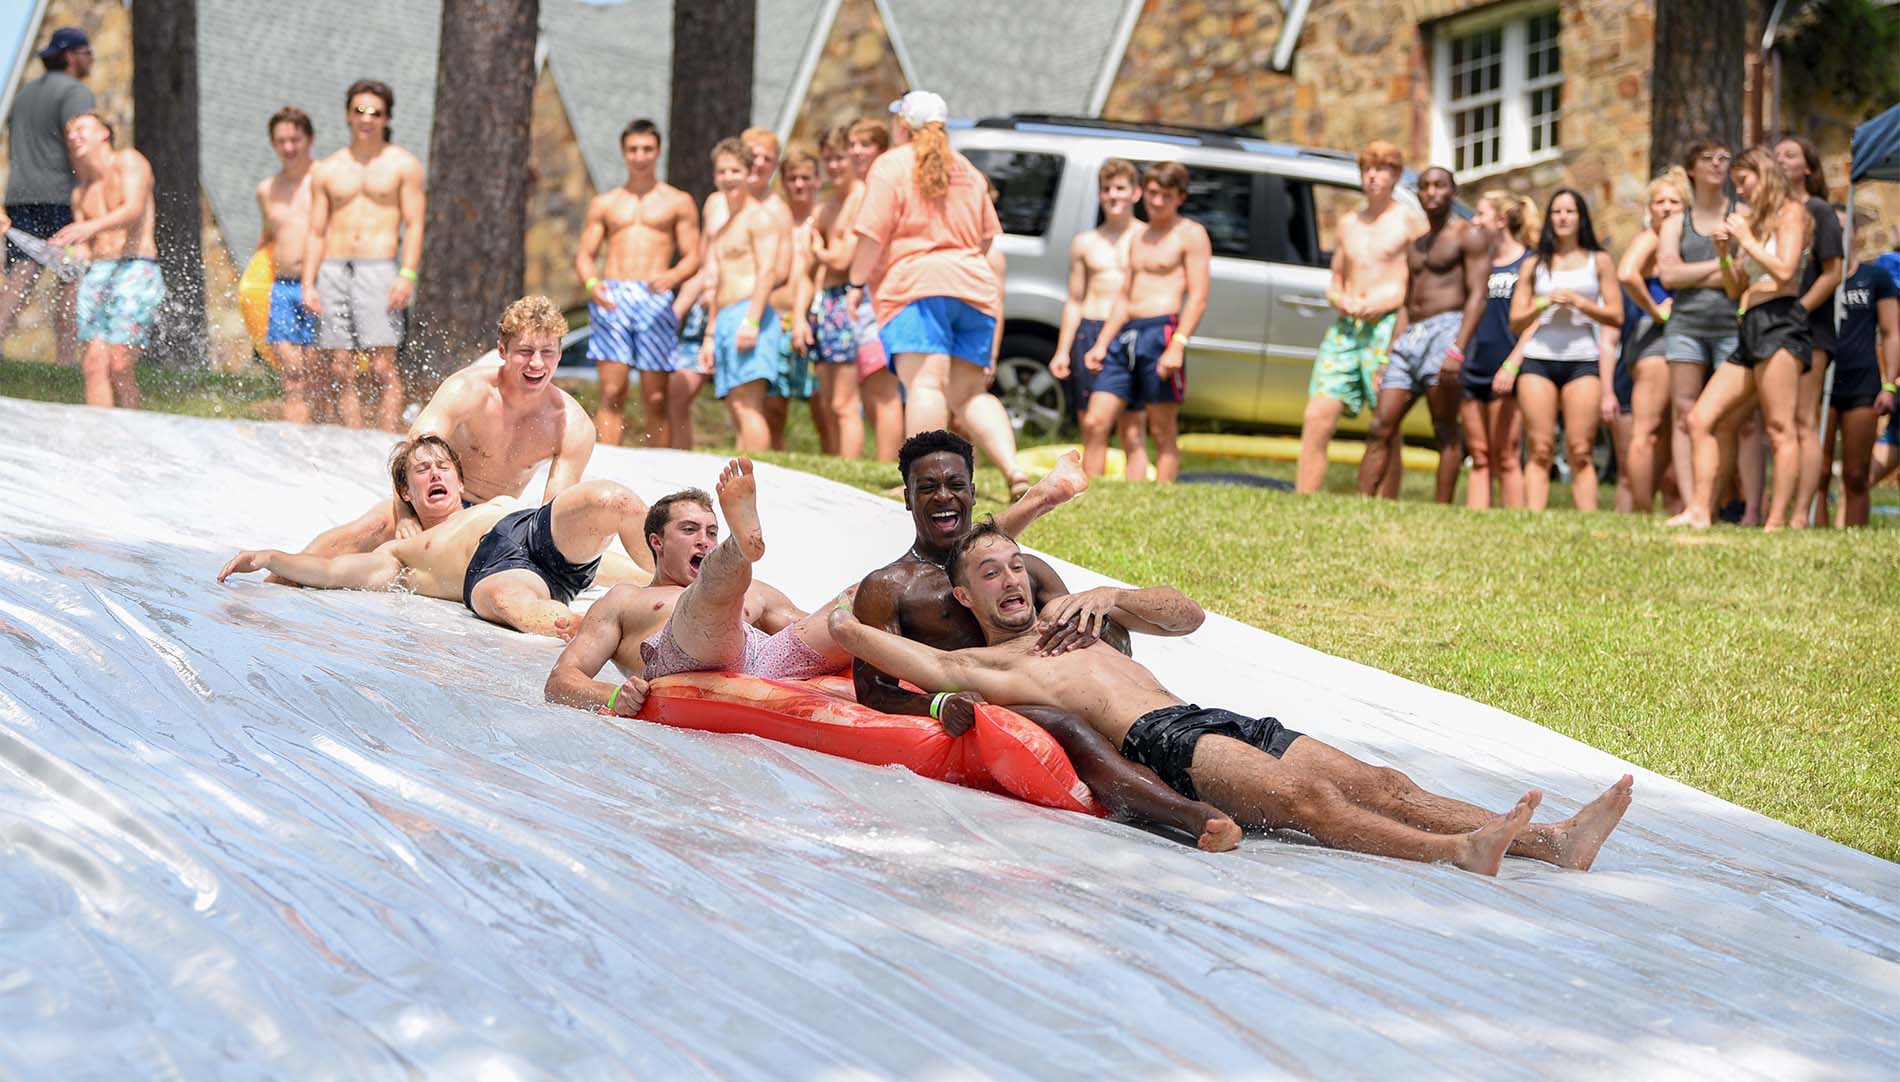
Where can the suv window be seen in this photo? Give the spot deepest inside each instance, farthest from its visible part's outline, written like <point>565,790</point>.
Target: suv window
<point>1028,185</point>
<point>1222,201</point>
<point>1313,212</point>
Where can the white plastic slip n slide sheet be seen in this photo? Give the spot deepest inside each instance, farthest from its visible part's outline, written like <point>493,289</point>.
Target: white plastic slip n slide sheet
<point>250,830</point>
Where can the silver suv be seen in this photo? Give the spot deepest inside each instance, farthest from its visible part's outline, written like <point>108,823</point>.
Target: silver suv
<point>1269,210</point>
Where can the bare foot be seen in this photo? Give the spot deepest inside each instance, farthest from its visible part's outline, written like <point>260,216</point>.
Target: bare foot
<point>566,626</point>
<point>1689,519</point>
<point>1018,487</point>
<point>738,498</point>
<point>1485,846</point>
<point>1063,483</point>
<point>1221,835</point>
<point>1578,838</point>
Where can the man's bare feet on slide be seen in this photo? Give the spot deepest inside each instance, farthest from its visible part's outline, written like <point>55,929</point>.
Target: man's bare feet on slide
<point>1485,846</point>
<point>1578,838</point>
<point>1065,482</point>
<point>566,626</point>
<point>738,500</point>
<point>1221,835</point>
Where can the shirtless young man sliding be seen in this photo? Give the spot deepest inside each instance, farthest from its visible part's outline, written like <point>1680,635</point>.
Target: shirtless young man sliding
<point>742,347</point>
<point>651,231</point>
<point>283,204</point>
<point>1368,290</point>
<point>1160,305</point>
<point>364,200</point>
<point>516,567</point>
<point>1263,774</point>
<point>504,419</point>
<point>911,596</point>
<point>1447,267</point>
<point>703,611</point>
<point>121,293</point>
<point>1098,273</point>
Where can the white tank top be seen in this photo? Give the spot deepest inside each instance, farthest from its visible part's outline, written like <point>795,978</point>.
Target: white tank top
<point>1565,334</point>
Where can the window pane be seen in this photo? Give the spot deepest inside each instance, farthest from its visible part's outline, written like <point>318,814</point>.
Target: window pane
<point>1541,38</point>
<point>1543,117</point>
<point>1028,186</point>
<point>1476,64</point>
<point>1331,204</point>
<point>1222,201</point>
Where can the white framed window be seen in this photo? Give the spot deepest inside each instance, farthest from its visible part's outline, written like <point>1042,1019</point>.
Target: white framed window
<point>1497,90</point>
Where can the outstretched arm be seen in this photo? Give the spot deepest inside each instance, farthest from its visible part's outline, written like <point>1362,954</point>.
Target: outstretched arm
<point>925,666</point>
<point>377,570</point>
<point>572,681</point>
<point>1154,610</point>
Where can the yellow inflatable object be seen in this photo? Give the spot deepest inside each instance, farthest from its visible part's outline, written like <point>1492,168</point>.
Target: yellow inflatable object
<point>254,301</point>
<point>1287,449</point>
<point>1036,461</point>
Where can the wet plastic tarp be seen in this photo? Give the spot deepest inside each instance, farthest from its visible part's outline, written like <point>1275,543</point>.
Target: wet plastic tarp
<point>252,830</point>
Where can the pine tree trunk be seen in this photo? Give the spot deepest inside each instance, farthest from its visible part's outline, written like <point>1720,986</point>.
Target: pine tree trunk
<point>712,86</point>
<point>475,229</point>
<point>1696,87</point>
<point>165,130</point>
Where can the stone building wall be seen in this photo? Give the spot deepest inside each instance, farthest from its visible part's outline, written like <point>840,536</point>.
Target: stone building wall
<point>1202,62</point>
<point>857,74</point>
<point>557,200</point>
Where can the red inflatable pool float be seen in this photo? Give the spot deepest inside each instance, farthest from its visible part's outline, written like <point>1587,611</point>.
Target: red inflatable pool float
<point>1003,752</point>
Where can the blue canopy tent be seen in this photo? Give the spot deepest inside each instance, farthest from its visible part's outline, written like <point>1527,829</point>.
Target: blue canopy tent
<point>1875,155</point>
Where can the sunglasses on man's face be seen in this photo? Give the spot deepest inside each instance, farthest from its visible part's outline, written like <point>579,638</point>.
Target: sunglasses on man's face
<point>367,110</point>
<point>1713,159</point>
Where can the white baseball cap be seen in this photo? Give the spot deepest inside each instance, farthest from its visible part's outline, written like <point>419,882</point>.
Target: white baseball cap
<point>920,107</point>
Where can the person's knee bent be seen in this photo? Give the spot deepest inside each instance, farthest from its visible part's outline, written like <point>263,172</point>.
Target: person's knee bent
<point>1857,477</point>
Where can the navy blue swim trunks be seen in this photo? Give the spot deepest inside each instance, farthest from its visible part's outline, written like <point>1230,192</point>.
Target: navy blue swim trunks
<point>1163,740</point>
<point>525,540</point>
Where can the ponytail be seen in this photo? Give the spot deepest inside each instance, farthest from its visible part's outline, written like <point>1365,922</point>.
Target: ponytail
<point>1520,214</point>
<point>933,160</point>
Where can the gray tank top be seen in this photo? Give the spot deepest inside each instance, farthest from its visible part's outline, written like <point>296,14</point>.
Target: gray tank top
<point>1703,313</point>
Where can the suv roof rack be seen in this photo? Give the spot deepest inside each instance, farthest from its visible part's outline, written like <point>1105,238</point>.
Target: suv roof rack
<point>1223,138</point>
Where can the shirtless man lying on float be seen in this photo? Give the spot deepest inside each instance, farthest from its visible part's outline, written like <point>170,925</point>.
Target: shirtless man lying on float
<point>514,566</point>
<point>704,612</point>
<point>1258,771</point>
<point>502,420</point>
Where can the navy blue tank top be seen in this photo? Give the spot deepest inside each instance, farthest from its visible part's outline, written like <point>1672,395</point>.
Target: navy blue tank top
<point>1494,339</point>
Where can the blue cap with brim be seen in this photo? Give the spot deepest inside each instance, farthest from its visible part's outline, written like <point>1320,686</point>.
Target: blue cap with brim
<point>66,37</point>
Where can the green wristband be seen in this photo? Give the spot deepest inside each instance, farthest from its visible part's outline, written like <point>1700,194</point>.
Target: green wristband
<point>936,705</point>
<point>1890,388</point>
<point>613,697</point>
<point>409,273</point>
<point>591,283</point>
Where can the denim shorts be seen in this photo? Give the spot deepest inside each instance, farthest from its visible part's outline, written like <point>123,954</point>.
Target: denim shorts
<point>1708,350</point>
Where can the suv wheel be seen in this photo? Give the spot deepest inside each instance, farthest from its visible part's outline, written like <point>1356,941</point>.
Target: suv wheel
<point>1037,402</point>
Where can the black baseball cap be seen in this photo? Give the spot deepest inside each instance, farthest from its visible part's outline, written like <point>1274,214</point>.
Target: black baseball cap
<point>66,37</point>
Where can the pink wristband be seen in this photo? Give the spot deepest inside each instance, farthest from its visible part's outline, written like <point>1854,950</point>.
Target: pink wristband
<point>1453,353</point>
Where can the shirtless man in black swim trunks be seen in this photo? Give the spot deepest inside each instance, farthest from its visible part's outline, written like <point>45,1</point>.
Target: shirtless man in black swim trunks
<point>515,567</point>
<point>503,418</point>
<point>1263,773</point>
<point>911,597</point>
<point>1447,269</point>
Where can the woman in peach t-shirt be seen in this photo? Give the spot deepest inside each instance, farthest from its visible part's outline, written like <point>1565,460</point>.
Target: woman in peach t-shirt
<point>924,232</point>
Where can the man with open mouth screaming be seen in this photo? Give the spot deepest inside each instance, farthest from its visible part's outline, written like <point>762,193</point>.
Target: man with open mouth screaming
<point>703,611</point>
<point>910,596</point>
<point>515,566</point>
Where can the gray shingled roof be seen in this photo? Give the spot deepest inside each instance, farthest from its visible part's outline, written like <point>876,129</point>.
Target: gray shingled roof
<point>1001,56</point>
<point>611,61</point>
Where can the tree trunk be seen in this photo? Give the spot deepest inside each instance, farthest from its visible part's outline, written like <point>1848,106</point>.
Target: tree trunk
<point>1696,86</point>
<point>165,130</point>
<point>712,86</point>
<point>476,224</point>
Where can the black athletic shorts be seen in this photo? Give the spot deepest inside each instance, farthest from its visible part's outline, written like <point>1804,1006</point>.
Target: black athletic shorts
<point>1560,372</point>
<point>1163,740</point>
<point>525,539</point>
<point>1775,325</point>
<point>41,220</point>
<point>1855,385</point>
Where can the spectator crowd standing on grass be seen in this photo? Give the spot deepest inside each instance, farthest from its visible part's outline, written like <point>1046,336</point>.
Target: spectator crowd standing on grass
<point>862,277</point>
